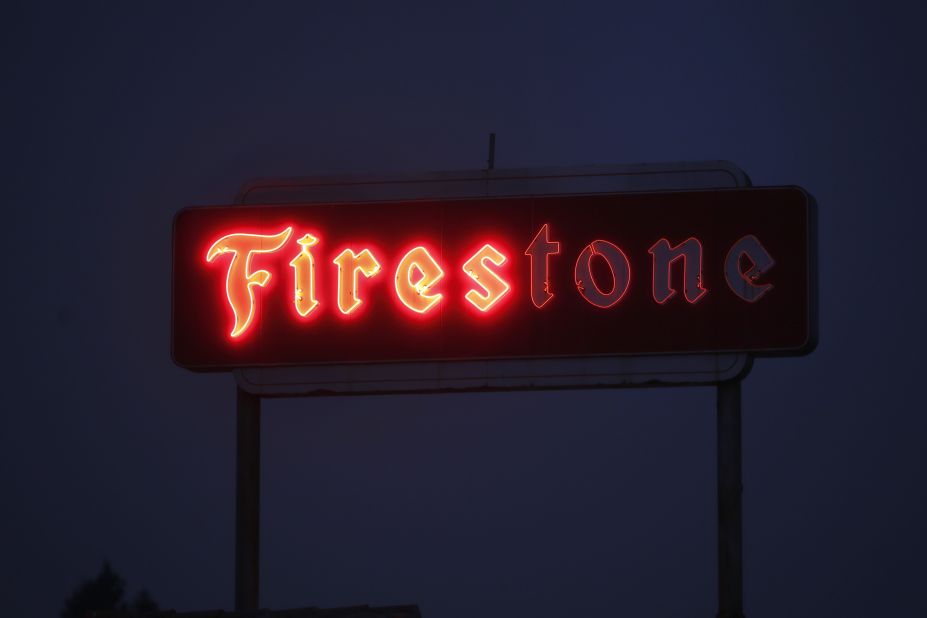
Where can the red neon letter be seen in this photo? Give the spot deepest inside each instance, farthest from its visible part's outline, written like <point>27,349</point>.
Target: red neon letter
<point>742,281</point>
<point>690,252</point>
<point>349,264</point>
<point>414,294</point>
<point>239,280</point>
<point>618,264</point>
<point>494,286</point>
<point>540,250</point>
<point>304,277</point>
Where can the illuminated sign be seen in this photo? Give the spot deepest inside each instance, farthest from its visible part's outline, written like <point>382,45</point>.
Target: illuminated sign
<point>527,277</point>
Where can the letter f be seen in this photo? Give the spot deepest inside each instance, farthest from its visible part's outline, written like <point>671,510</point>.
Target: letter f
<point>239,280</point>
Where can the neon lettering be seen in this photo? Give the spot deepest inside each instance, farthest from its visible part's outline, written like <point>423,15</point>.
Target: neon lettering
<point>743,281</point>
<point>493,285</point>
<point>418,273</point>
<point>540,250</point>
<point>349,265</point>
<point>690,252</point>
<point>304,277</point>
<point>414,293</point>
<point>239,280</point>
<point>618,265</point>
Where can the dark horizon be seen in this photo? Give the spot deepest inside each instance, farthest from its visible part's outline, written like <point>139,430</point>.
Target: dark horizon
<point>496,504</point>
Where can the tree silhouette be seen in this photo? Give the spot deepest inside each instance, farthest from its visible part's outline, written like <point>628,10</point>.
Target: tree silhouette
<point>143,603</point>
<point>105,593</point>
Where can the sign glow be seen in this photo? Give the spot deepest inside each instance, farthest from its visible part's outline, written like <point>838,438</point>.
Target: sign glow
<point>648,273</point>
<point>417,273</point>
<point>494,287</point>
<point>351,264</point>
<point>240,281</point>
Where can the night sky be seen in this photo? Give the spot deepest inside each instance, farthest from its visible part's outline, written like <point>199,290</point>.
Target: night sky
<point>581,503</point>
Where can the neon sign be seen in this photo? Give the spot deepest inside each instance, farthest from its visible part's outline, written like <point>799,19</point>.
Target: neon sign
<point>598,274</point>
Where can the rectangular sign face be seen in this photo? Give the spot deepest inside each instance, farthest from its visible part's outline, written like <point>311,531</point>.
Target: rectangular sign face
<point>529,277</point>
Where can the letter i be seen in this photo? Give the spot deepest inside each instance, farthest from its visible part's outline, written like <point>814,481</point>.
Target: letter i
<point>304,277</point>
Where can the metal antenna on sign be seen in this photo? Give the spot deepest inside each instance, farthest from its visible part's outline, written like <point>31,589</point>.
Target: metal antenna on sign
<point>491,162</point>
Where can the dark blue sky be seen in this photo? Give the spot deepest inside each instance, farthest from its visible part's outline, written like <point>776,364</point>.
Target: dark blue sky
<point>579,503</point>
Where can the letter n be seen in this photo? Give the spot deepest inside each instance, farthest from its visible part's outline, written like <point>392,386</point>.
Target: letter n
<point>664,255</point>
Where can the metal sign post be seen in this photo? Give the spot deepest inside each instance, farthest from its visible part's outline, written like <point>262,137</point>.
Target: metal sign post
<point>730,489</point>
<point>247,501</point>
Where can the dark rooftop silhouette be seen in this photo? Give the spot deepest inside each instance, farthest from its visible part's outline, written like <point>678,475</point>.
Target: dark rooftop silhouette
<point>357,611</point>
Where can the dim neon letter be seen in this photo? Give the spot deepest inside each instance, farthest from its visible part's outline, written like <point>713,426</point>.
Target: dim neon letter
<point>618,265</point>
<point>304,277</point>
<point>540,250</point>
<point>690,252</point>
<point>743,281</point>
<point>493,285</point>
<point>239,280</point>
<point>349,265</point>
<point>413,290</point>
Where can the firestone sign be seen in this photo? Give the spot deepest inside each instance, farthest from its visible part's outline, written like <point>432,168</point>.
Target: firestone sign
<point>727,270</point>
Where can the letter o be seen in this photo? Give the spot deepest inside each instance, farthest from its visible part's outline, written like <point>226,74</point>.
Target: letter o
<point>618,265</point>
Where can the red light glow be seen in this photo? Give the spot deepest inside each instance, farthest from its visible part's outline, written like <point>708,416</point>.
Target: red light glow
<point>239,280</point>
<point>349,265</point>
<point>493,285</point>
<point>489,277</point>
<point>414,293</point>
<point>304,277</point>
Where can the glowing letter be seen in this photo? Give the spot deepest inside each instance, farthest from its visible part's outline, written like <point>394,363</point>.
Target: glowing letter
<point>540,250</point>
<point>414,294</point>
<point>349,264</point>
<point>492,283</point>
<point>239,280</point>
<point>664,255</point>
<point>304,277</point>
<point>618,265</point>
<point>742,281</point>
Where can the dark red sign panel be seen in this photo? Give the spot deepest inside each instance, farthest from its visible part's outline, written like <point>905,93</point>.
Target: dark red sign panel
<point>605,274</point>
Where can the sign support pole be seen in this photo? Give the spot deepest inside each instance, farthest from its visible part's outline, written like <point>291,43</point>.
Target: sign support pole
<point>247,500</point>
<point>730,488</point>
